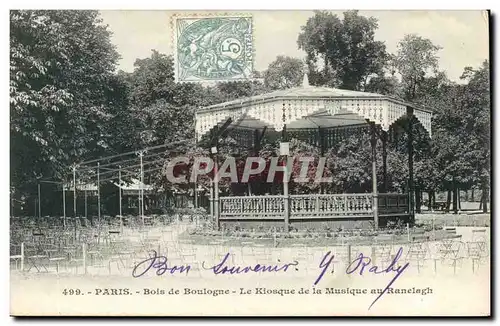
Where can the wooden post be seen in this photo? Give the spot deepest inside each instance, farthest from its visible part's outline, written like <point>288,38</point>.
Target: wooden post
<point>22,256</point>
<point>321,133</point>
<point>141,154</point>
<point>418,202</point>
<point>195,194</point>
<point>216,192</point>
<point>211,199</point>
<point>39,202</point>
<point>120,190</point>
<point>411,203</point>
<point>374,175</point>
<point>98,196</point>
<point>74,198</point>
<point>12,204</point>
<point>85,203</point>
<point>384,161</point>
<point>286,198</point>
<point>64,204</point>
<point>84,258</point>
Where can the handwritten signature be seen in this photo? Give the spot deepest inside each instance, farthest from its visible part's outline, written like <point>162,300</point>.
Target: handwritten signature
<point>359,265</point>
<point>363,262</point>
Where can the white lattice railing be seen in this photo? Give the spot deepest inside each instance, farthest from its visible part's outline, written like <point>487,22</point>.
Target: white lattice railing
<point>331,205</point>
<point>314,205</point>
<point>252,206</point>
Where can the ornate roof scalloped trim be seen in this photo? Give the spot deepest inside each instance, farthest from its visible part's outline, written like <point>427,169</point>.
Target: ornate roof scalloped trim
<point>380,110</point>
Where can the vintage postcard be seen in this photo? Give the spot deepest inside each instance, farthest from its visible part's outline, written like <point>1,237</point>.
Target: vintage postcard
<point>260,163</point>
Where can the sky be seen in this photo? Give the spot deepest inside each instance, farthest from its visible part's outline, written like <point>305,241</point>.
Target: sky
<point>463,35</point>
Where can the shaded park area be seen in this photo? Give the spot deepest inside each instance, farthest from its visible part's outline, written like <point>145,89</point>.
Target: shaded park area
<point>404,148</point>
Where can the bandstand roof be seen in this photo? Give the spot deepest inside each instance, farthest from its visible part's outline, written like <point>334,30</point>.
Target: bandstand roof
<point>309,107</point>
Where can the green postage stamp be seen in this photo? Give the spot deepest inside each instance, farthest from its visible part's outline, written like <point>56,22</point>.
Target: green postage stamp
<point>213,48</point>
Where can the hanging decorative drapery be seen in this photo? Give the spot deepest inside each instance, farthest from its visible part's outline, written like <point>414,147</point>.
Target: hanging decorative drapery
<point>331,136</point>
<point>425,120</point>
<point>243,137</point>
<point>309,107</point>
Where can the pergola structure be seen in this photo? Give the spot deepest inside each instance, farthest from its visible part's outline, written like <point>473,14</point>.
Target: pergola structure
<point>316,113</point>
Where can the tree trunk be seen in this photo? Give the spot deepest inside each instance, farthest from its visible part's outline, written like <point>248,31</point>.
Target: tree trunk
<point>455,198</point>
<point>472,195</point>
<point>418,201</point>
<point>459,200</point>
<point>467,195</point>
<point>448,200</point>
<point>485,198</point>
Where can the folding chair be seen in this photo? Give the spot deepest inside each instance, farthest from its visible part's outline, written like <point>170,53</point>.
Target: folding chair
<point>17,255</point>
<point>479,235</point>
<point>418,251</point>
<point>448,250</point>
<point>75,256</point>
<point>477,251</point>
<point>95,254</point>
<point>54,255</point>
<point>382,254</point>
<point>36,259</point>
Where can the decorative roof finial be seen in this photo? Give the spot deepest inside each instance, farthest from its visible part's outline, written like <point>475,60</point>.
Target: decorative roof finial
<point>305,80</point>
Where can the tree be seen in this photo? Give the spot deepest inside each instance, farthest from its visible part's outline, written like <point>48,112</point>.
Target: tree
<point>461,141</point>
<point>347,48</point>
<point>477,124</point>
<point>61,91</point>
<point>162,111</point>
<point>415,60</point>
<point>284,72</point>
<point>386,85</point>
<point>235,90</point>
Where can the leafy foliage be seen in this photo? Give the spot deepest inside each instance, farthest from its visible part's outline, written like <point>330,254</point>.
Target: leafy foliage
<point>347,49</point>
<point>415,60</point>
<point>284,72</point>
<point>62,91</point>
<point>68,104</point>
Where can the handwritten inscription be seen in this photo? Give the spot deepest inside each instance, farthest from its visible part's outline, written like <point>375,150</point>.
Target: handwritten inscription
<point>361,264</point>
<point>159,264</point>
<point>222,267</point>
